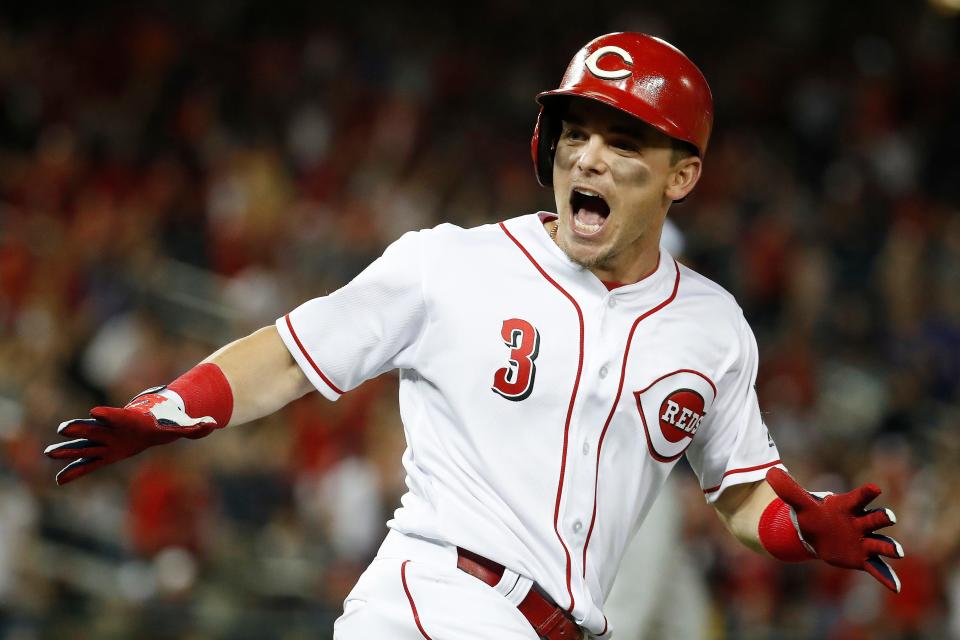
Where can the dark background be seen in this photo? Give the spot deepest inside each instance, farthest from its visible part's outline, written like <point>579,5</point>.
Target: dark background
<point>175,175</point>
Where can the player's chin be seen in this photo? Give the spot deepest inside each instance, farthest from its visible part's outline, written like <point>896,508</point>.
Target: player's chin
<point>586,252</point>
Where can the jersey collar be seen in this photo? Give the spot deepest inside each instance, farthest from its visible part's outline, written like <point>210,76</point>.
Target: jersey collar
<point>551,257</point>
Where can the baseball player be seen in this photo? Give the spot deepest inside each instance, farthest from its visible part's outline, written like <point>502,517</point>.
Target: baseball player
<point>553,369</point>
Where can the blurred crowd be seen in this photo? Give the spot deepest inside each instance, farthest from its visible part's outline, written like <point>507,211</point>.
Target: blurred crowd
<point>175,176</point>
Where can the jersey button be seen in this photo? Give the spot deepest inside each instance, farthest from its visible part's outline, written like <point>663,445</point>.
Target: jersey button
<point>611,302</point>
<point>586,448</point>
<point>577,526</point>
<point>603,371</point>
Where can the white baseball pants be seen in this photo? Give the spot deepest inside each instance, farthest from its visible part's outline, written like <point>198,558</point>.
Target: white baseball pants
<point>414,591</point>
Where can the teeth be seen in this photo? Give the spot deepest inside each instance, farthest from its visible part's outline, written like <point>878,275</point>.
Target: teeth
<point>587,228</point>
<point>588,192</point>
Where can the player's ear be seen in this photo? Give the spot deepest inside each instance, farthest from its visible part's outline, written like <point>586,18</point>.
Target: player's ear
<point>683,177</point>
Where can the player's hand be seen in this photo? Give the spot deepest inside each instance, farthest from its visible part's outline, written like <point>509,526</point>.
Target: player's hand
<point>839,530</point>
<point>111,434</point>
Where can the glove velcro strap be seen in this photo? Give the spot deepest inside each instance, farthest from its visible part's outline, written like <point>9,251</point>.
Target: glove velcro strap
<point>205,392</point>
<point>779,534</point>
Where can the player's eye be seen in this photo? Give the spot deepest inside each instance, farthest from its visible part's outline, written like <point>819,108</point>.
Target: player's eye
<point>572,133</point>
<point>628,145</point>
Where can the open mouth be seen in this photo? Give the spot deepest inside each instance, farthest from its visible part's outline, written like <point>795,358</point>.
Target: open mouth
<point>589,210</point>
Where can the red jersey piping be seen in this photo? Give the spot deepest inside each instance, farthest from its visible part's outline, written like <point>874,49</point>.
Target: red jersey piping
<point>743,470</point>
<point>307,355</point>
<point>413,606</point>
<point>566,426</point>
<point>616,401</point>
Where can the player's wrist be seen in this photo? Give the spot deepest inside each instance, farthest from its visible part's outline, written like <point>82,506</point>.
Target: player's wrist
<point>780,534</point>
<point>202,394</point>
<point>205,391</point>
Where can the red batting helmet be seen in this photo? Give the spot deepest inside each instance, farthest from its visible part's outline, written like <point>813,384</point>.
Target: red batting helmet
<point>641,75</point>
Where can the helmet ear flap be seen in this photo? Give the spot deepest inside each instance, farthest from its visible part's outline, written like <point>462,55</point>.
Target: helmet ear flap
<point>544,144</point>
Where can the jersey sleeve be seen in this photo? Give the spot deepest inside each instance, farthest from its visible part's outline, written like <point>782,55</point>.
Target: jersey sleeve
<point>733,445</point>
<point>371,325</point>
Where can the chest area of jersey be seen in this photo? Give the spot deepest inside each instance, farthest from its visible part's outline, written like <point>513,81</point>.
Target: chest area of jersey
<point>534,351</point>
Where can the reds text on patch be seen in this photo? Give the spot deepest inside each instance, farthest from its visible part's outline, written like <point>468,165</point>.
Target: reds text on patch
<point>680,414</point>
<point>672,410</point>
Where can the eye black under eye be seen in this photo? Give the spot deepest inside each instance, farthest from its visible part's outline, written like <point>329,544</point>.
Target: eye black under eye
<point>626,145</point>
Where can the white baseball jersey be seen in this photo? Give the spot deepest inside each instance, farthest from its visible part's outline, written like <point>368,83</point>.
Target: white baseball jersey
<point>542,412</point>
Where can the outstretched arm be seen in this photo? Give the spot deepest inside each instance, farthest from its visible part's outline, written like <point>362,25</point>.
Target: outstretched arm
<point>262,375</point>
<point>791,524</point>
<point>245,380</point>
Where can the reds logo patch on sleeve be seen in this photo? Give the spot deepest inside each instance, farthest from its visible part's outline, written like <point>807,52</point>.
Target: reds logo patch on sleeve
<point>672,408</point>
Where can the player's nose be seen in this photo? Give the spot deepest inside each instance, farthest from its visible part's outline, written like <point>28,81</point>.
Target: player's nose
<point>591,158</point>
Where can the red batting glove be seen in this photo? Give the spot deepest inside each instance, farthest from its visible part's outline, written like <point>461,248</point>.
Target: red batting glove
<point>154,417</point>
<point>838,530</point>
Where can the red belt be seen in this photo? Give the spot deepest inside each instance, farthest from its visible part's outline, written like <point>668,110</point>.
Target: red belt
<point>547,619</point>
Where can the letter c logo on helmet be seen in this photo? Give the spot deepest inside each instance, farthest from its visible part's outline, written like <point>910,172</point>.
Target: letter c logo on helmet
<point>609,75</point>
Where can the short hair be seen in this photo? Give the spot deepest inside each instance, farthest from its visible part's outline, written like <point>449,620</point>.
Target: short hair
<point>682,149</point>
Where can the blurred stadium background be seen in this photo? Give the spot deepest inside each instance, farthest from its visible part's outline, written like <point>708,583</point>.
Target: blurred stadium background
<point>176,174</point>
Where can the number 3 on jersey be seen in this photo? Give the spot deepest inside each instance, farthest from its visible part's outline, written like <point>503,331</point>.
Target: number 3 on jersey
<point>515,381</point>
